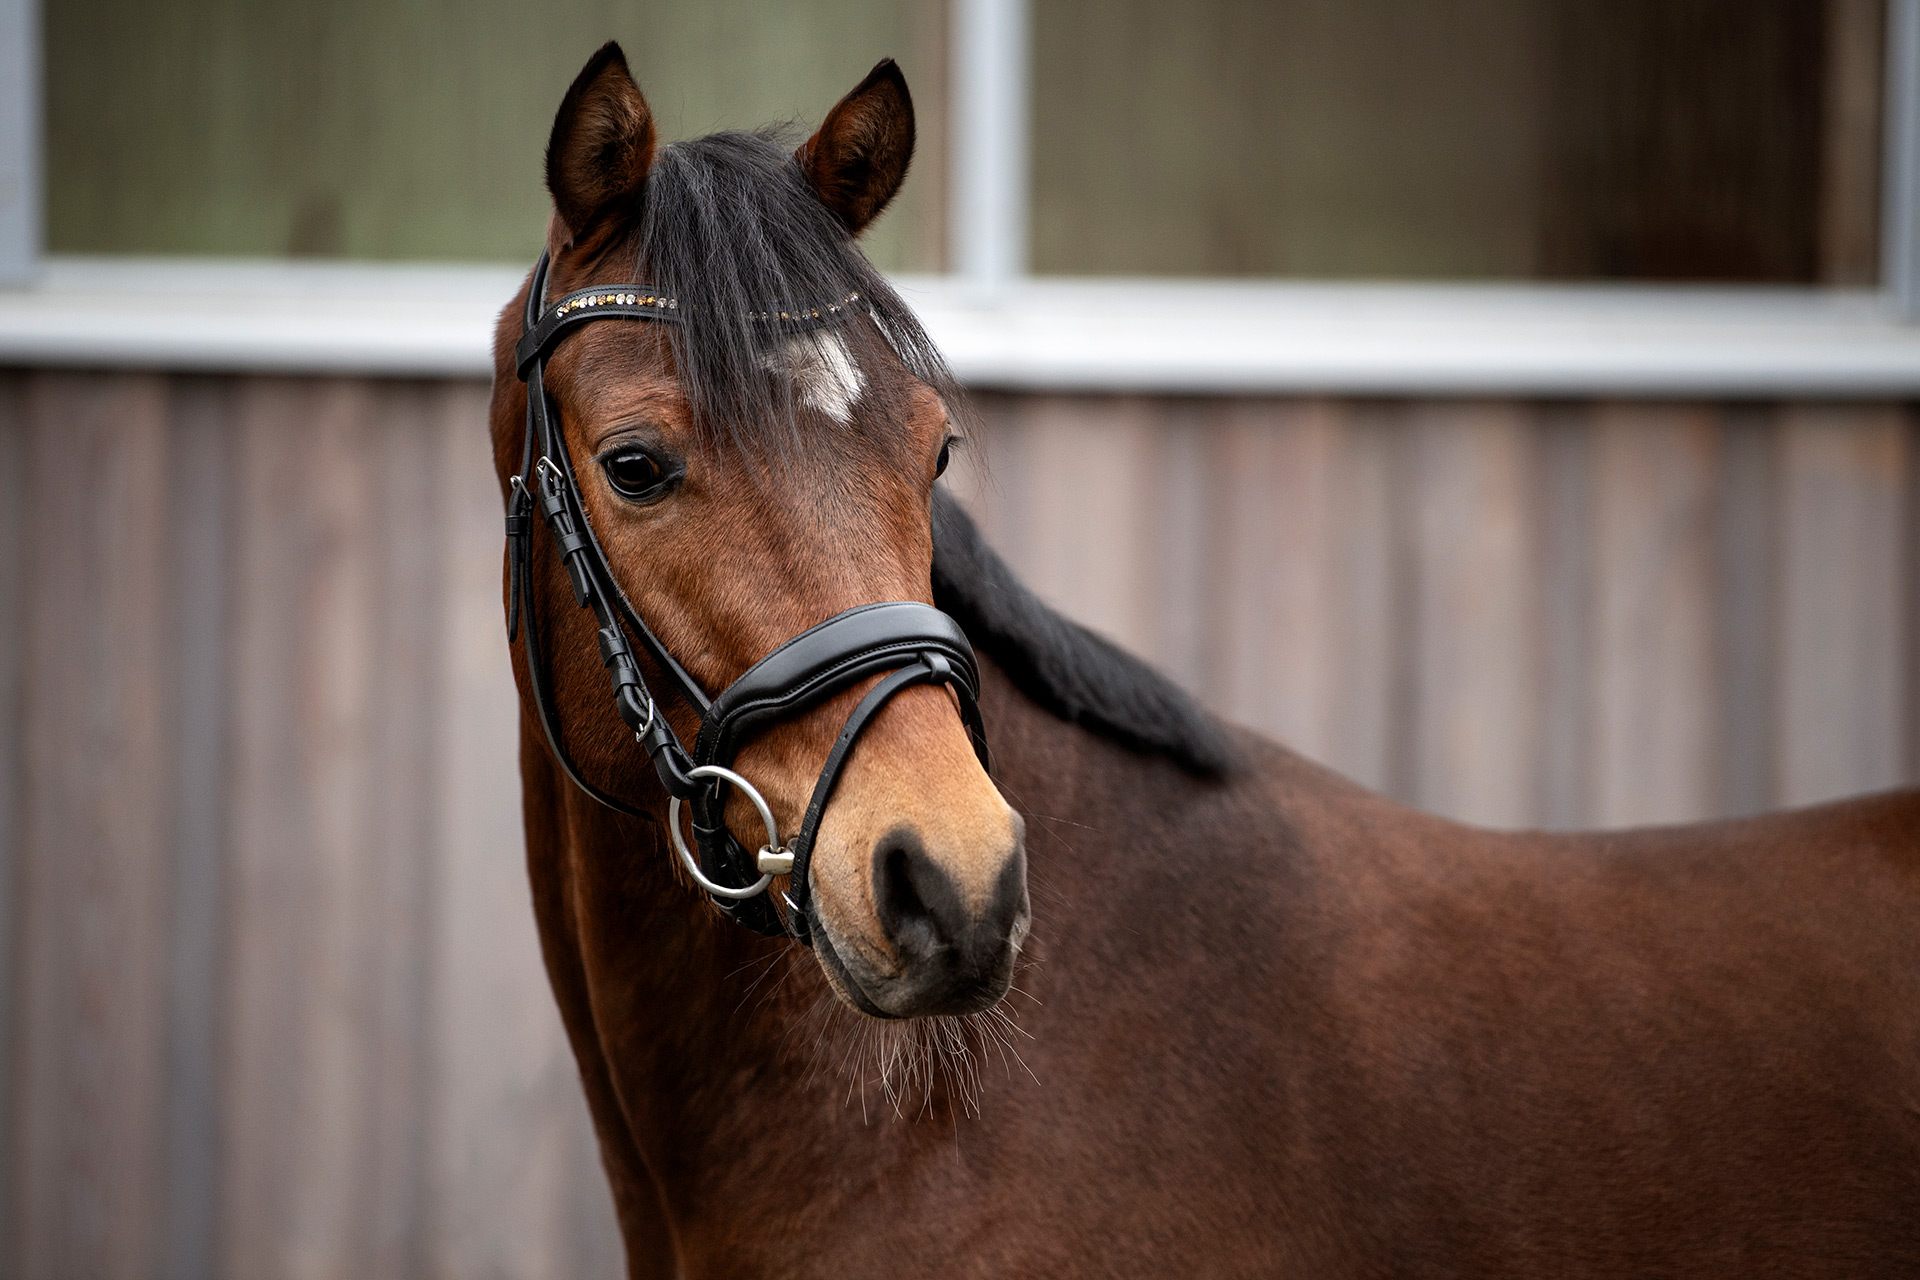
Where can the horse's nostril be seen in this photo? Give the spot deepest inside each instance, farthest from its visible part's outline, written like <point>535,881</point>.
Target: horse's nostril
<point>914,897</point>
<point>955,955</point>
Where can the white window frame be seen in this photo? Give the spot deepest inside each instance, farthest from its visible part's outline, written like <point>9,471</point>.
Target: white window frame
<point>20,183</point>
<point>990,124</point>
<point>1002,327</point>
<point>1900,167</point>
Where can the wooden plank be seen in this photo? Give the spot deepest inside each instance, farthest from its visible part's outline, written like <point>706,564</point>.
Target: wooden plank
<point>1082,465</point>
<point>337,648</point>
<point>1467,483</point>
<point>1271,480</point>
<point>280,894</point>
<point>299,1071</point>
<point>1299,564</point>
<point>1746,578</point>
<point>517,1188</point>
<point>13,454</point>
<point>1564,795</point>
<point>1844,651</point>
<point>96,810</point>
<point>987,474</point>
<point>393,908</point>
<point>1360,620</point>
<point>1177,537</point>
<point>1655,716</point>
<point>1912,669</point>
<point>974,475</point>
<point>200,480</point>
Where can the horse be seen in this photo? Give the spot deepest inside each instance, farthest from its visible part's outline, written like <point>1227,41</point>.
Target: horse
<point>1118,989</point>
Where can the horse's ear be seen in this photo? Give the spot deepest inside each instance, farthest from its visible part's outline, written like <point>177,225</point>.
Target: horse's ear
<point>859,158</point>
<point>602,143</point>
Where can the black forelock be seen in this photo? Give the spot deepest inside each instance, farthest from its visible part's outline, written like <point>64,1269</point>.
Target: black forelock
<point>732,230</point>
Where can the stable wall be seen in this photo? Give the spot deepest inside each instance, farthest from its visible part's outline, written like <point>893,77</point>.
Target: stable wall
<point>272,1004</point>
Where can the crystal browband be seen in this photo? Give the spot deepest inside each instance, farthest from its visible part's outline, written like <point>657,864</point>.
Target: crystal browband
<point>644,302</point>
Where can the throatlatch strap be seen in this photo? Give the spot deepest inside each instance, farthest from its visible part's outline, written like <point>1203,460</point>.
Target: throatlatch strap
<point>549,722</point>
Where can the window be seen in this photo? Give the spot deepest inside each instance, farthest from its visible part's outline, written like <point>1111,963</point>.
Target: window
<point>1669,140</point>
<point>1672,140</point>
<point>366,129</point>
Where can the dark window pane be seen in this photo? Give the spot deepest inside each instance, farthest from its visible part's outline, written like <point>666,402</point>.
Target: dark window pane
<point>1579,139</point>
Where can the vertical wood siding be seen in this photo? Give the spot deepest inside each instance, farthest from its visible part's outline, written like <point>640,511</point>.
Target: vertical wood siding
<point>270,999</point>
<point>1564,614</point>
<point>273,1003</point>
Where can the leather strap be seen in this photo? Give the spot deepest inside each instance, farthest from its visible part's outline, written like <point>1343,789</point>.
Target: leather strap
<point>915,642</point>
<point>621,301</point>
<point>824,659</point>
<point>931,668</point>
<point>643,302</point>
<point>544,712</point>
<point>555,449</point>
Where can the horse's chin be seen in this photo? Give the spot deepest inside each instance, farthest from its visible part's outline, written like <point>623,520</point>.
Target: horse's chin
<point>843,984</point>
<point>871,994</point>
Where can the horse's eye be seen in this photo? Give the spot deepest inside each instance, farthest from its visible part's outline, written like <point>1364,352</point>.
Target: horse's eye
<point>635,475</point>
<point>946,456</point>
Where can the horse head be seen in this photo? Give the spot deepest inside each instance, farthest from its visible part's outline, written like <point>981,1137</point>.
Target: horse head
<point>752,443</point>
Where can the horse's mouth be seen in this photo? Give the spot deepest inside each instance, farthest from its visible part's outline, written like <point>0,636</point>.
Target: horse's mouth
<point>923,994</point>
<point>843,983</point>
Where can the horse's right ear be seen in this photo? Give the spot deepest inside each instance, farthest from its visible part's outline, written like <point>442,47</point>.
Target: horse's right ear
<point>859,158</point>
<point>602,143</point>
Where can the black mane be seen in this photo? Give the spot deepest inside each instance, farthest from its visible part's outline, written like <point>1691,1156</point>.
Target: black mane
<point>730,227</point>
<point>1061,665</point>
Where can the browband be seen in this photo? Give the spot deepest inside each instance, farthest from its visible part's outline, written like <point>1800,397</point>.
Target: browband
<point>627,301</point>
<point>643,302</point>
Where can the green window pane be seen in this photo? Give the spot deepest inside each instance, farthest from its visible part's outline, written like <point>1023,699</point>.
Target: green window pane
<point>409,130</point>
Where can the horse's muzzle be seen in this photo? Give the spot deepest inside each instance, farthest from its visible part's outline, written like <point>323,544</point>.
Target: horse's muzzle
<point>954,951</point>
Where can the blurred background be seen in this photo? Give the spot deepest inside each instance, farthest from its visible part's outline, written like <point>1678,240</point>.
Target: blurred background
<point>1509,404</point>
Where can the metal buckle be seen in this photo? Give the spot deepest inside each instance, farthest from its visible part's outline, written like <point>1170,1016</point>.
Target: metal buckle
<point>640,734</point>
<point>772,860</point>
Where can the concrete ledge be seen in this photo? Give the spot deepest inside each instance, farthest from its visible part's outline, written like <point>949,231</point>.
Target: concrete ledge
<point>1067,335</point>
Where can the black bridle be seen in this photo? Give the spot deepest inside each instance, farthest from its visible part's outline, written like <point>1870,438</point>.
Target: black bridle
<point>906,642</point>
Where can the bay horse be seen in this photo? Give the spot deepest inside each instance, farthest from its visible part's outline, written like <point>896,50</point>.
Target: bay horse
<point>1252,1020</point>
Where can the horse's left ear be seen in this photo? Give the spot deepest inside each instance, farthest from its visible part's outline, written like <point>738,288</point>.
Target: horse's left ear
<point>602,144</point>
<point>859,158</point>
